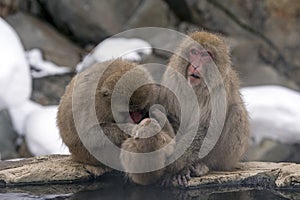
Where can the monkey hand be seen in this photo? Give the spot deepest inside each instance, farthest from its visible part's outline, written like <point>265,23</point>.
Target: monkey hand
<point>160,116</point>
<point>163,121</point>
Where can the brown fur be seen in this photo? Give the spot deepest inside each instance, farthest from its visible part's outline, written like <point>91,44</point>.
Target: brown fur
<point>234,137</point>
<point>142,98</point>
<point>157,141</point>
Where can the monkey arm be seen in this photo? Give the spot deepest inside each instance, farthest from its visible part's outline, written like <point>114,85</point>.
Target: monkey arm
<point>117,133</point>
<point>233,141</point>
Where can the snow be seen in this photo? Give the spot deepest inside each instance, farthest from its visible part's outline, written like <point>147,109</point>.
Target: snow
<point>35,122</point>
<point>15,80</point>
<point>274,113</point>
<point>41,67</point>
<point>42,135</point>
<point>129,49</point>
<point>19,114</point>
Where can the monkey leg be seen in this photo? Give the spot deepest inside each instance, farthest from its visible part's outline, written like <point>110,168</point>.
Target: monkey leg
<point>85,147</point>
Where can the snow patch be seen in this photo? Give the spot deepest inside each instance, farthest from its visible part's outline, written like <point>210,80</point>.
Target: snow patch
<point>41,67</point>
<point>42,134</point>
<point>112,48</point>
<point>15,80</point>
<point>274,113</point>
<point>20,113</point>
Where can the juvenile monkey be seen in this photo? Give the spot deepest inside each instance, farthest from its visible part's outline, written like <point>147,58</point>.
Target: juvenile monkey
<point>99,81</point>
<point>194,60</point>
<point>148,136</point>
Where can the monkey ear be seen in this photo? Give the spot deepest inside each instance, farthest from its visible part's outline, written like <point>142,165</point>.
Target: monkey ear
<point>104,91</point>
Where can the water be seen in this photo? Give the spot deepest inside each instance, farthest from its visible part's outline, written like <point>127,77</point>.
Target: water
<point>114,188</point>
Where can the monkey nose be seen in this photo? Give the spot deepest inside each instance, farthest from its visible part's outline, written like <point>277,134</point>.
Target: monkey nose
<point>196,65</point>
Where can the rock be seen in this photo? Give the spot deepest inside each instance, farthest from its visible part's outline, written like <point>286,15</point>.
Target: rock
<point>60,169</point>
<point>273,151</point>
<point>273,28</point>
<point>37,34</point>
<point>206,15</point>
<point>153,13</point>
<point>45,170</point>
<point>8,6</point>
<point>7,137</point>
<point>253,71</point>
<point>282,27</point>
<point>255,174</point>
<point>48,90</point>
<point>33,7</point>
<point>92,21</point>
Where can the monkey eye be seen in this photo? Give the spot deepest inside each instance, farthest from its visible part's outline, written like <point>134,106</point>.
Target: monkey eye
<point>210,53</point>
<point>203,53</point>
<point>195,51</point>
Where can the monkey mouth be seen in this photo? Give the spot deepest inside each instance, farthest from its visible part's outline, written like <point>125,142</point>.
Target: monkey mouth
<point>195,76</point>
<point>138,116</point>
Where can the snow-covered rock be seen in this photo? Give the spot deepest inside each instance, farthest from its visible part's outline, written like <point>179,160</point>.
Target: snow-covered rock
<point>41,133</point>
<point>111,48</point>
<point>274,113</point>
<point>20,113</point>
<point>15,80</point>
<point>41,67</point>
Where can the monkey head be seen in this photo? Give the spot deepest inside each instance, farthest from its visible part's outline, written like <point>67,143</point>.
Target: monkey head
<point>197,55</point>
<point>124,90</point>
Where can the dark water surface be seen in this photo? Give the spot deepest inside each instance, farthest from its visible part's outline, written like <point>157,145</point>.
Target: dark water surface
<point>114,188</point>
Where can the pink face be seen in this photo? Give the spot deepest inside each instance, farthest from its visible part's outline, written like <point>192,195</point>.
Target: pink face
<point>198,59</point>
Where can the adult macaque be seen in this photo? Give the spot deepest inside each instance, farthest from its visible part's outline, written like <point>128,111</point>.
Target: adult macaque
<point>99,81</point>
<point>202,54</point>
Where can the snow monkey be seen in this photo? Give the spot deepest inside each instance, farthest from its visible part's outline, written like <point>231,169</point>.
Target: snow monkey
<point>194,60</point>
<point>100,81</point>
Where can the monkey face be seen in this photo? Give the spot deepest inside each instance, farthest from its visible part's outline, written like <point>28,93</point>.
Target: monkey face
<point>199,61</point>
<point>140,102</point>
<point>200,58</point>
<point>125,93</point>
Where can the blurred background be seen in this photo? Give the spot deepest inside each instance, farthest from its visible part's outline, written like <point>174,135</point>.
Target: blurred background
<point>263,36</point>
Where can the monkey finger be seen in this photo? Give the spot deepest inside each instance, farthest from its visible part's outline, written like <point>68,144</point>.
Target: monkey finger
<point>167,182</point>
<point>182,180</point>
<point>159,116</point>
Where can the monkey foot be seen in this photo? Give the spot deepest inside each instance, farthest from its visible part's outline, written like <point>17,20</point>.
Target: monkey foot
<point>199,169</point>
<point>183,177</point>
